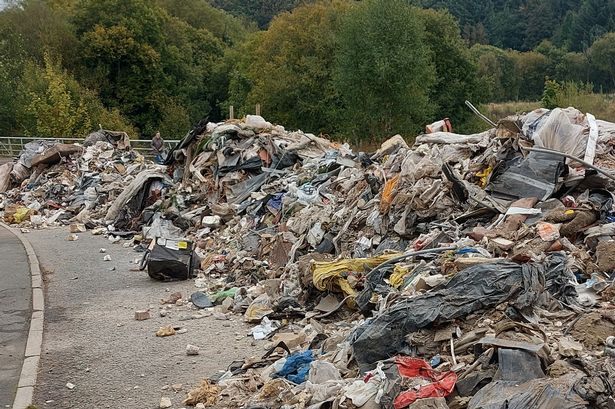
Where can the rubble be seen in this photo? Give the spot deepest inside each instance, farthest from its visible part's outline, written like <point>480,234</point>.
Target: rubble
<point>142,315</point>
<point>165,403</point>
<point>465,271</point>
<point>192,349</point>
<point>166,331</point>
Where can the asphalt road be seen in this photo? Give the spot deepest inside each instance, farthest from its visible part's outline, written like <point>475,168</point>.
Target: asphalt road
<point>15,311</point>
<point>92,340</point>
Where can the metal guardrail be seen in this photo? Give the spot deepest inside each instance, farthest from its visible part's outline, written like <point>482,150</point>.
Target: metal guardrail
<point>11,146</point>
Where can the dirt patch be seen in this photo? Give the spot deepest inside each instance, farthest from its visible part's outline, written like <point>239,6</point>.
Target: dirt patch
<point>605,255</point>
<point>593,328</point>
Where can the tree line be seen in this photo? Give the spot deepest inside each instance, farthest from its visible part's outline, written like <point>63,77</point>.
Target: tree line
<point>357,70</point>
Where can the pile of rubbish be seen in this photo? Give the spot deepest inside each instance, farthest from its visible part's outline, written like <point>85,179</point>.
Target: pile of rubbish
<point>54,183</point>
<point>464,271</point>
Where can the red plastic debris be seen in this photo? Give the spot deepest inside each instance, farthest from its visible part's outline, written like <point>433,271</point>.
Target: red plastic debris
<point>442,382</point>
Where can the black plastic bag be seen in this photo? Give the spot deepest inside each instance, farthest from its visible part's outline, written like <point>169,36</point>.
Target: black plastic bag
<point>475,288</point>
<point>170,260</point>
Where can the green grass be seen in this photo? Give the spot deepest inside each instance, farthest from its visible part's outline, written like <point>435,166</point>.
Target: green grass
<point>602,106</point>
<point>497,111</point>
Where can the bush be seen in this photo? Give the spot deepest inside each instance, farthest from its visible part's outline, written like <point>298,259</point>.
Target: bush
<point>579,95</point>
<point>549,96</point>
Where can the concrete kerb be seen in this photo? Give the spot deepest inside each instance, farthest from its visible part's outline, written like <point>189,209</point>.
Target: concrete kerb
<point>29,369</point>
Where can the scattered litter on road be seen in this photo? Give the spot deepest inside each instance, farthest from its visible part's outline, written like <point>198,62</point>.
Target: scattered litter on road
<point>142,315</point>
<point>165,331</point>
<point>192,350</point>
<point>165,403</point>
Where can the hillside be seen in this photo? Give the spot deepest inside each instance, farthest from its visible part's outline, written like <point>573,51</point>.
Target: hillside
<point>355,70</point>
<point>516,24</point>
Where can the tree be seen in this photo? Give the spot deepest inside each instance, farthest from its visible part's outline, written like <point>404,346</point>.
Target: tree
<point>259,11</point>
<point>288,68</point>
<point>140,57</point>
<point>586,23</point>
<point>174,120</point>
<point>532,68</point>
<point>384,70</point>
<point>32,27</point>
<point>574,67</point>
<point>549,96</point>
<point>456,79</point>
<point>52,103</point>
<point>120,45</point>
<point>234,74</point>
<point>507,26</point>
<point>497,72</point>
<point>201,15</point>
<point>602,55</point>
<point>475,34</point>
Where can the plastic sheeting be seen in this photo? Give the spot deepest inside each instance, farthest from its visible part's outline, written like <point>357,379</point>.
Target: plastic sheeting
<point>473,289</point>
<point>119,139</point>
<point>441,383</point>
<point>329,275</point>
<point>297,367</point>
<point>170,260</point>
<point>563,130</point>
<point>544,393</point>
<point>535,176</point>
<point>137,185</point>
<point>5,176</point>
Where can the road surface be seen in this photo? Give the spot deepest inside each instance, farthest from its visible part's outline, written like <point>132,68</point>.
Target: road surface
<point>15,312</point>
<point>92,340</point>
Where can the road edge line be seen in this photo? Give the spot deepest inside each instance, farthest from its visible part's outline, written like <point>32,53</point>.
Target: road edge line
<point>34,344</point>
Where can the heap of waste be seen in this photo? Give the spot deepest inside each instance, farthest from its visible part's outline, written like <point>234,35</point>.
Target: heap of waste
<point>464,271</point>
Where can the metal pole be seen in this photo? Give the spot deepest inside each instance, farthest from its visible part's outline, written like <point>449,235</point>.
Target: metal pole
<point>479,114</point>
<point>565,155</point>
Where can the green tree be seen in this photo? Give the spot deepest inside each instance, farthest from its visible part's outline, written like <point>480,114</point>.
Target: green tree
<point>574,67</point>
<point>52,103</point>
<point>384,70</point>
<point>120,43</point>
<point>140,57</point>
<point>288,68</point>
<point>588,22</point>
<point>174,120</point>
<point>27,28</point>
<point>31,27</point>
<point>602,55</point>
<point>234,75</point>
<point>507,26</point>
<point>260,11</point>
<point>456,79</point>
<point>51,108</point>
<point>201,15</point>
<point>531,68</point>
<point>549,96</point>
<point>497,72</point>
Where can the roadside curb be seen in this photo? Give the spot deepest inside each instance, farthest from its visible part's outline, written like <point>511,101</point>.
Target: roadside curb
<point>29,369</point>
